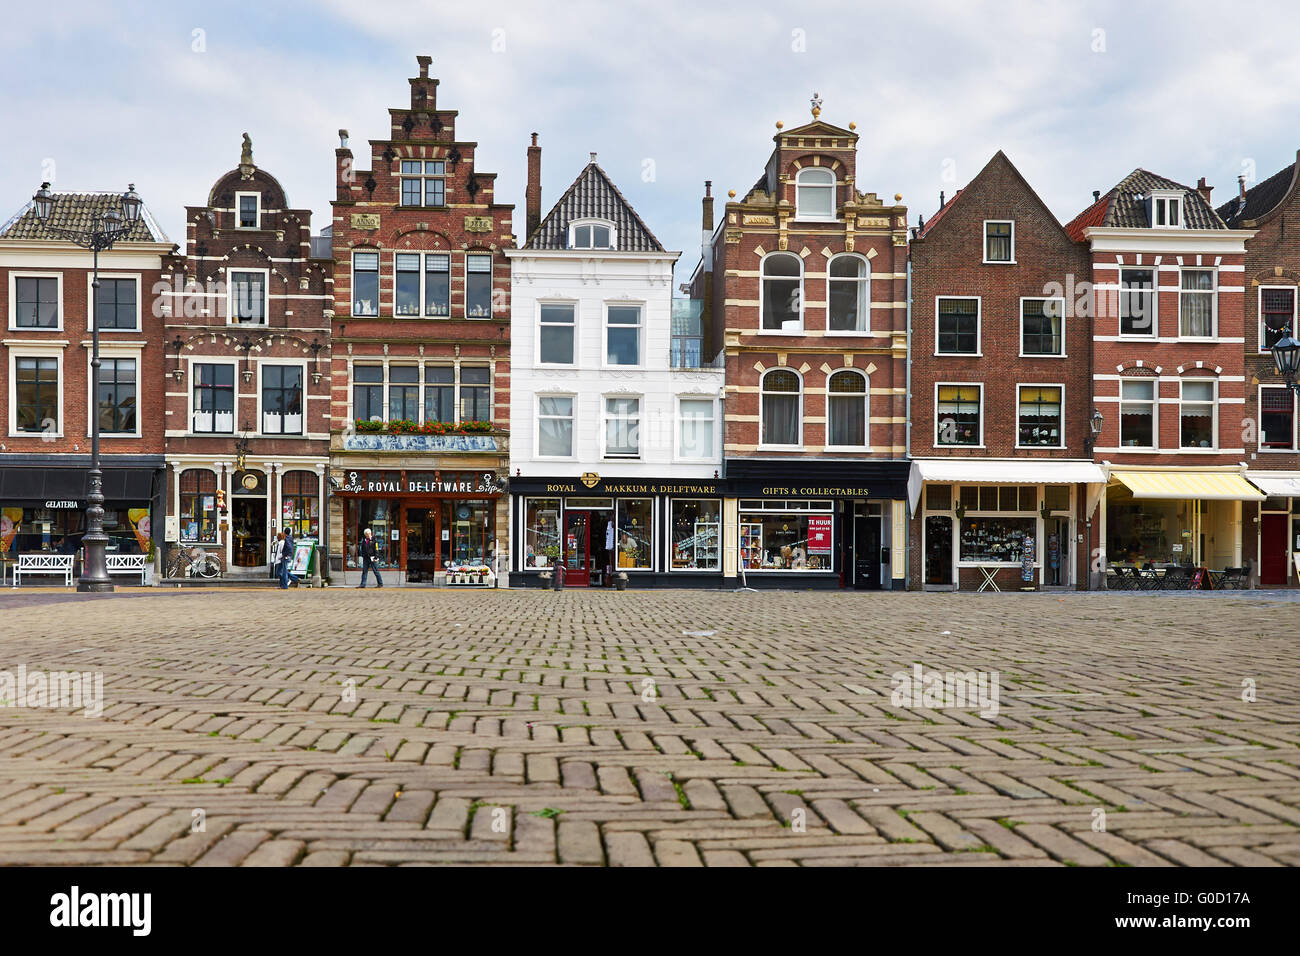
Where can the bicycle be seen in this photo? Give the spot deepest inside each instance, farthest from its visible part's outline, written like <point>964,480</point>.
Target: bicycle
<point>189,562</point>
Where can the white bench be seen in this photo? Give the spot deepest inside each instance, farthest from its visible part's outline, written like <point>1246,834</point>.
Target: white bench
<point>126,564</point>
<point>43,563</point>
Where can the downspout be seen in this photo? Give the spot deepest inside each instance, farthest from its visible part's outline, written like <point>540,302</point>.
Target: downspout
<point>907,442</point>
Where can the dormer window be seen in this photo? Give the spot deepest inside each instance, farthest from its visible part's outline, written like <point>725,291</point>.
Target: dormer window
<point>815,194</point>
<point>249,210</point>
<point>591,235</point>
<point>1166,210</point>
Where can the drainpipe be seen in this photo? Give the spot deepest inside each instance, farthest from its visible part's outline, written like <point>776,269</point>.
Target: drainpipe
<point>907,573</point>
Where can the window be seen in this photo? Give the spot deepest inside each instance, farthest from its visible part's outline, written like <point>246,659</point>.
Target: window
<point>1040,424</point>
<point>1166,211</point>
<point>696,421</point>
<point>958,326</point>
<point>198,515</point>
<point>475,393</point>
<point>555,426</point>
<point>556,343</point>
<point>815,194</point>
<point>1137,413</point>
<point>365,283</point>
<point>848,295</point>
<point>541,532</point>
<point>1276,314</point>
<point>999,241</point>
<point>424,182</point>
<point>439,393</point>
<point>623,335</point>
<point>633,524</point>
<point>591,235</point>
<point>697,536</point>
<point>846,410</point>
<point>478,287</point>
<point>115,304</point>
<point>248,297</point>
<point>1276,417</point>
<point>1196,415</point>
<point>410,298</point>
<point>1196,303</point>
<point>786,535</point>
<point>214,398</point>
<point>998,497</point>
<point>282,399</point>
<point>403,393</point>
<point>622,428</point>
<point>36,395</point>
<point>1137,302</point>
<point>368,393</point>
<point>782,292</point>
<point>1000,540</point>
<point>36,302</point>
<point>958,415</point>
<point>1042,326</point>
<point>248,210</point>
<point>117,399</point>
<point>780,408</point>
<point>406,289</point>
<point>300,501</point>
<point>437,284</point>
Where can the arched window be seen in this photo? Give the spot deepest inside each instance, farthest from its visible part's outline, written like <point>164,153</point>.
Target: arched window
<point>815,193</point>
<point>848,294</point>
<point>782,292</point>
<point>782,423</point>
<point>198,505</point>
<point>592,234</point>
<point>846,410</point>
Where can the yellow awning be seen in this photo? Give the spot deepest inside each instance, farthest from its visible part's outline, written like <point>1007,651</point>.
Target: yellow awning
<point>1211,485</point>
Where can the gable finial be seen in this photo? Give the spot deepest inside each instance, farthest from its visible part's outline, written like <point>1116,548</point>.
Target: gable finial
<point>816,105</point>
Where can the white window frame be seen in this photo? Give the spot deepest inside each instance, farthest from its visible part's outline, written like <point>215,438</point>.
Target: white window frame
<point>681,421</point>
<point>1214,414</point>
<point>1155,303</point>
<point>985,238</point>
<point>571,241</point>
<point>14,276</point>
<point>25,351</point>
<point>425,384</point>
<point>369,362</point>
<point>573,426</point>
<point>935,406</point>
<point>832,186</point>
<point>1160,199</point>
<point>257,197</point>
<point>1213,293</point>
<point>423,291</point>
<point>799,402</point>
<point>537,337</point>
<point>1061,426</point>
<point>606,417</point>
<point>979,327</point>
<point>1259,310</point>
<point>266,298</point>
<point>257,377</point>
<point>640,333</point>
<point>866,411</point>
<point>404,362</point>
<point>423,176</point>
<point>864,282</point>
<point>1040,355</point>
<point>116,276</point>
<point>1295,421</point>
<point>116,351</point>
<point>189,400</point>
<point>762,296</point>
<point>491,274</point>
<point>1155,414</point>
<point>379,285</point>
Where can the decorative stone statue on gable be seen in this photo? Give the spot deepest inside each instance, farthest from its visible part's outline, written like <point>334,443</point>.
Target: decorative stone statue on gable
<point>246,166</point>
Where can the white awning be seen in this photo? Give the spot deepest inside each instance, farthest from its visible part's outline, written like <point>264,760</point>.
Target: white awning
<point>992,471</point>
<point>1276,486</point>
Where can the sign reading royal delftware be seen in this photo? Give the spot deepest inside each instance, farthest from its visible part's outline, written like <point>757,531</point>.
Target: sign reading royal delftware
<point>424,483</point>
<point>372,441</point>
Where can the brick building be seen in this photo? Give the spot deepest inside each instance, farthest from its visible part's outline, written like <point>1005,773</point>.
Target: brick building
<point>247,378</point>
<point>46,300</point>
<point>1168,375</point>
<point>1270,528</point>
<point>1001,389</point>
<point>421,363</point>
<point>806,287</point>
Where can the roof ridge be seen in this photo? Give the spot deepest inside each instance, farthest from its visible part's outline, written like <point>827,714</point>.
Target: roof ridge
<point>592,168</point>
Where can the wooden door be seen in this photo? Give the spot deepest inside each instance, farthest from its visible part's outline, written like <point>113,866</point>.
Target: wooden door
<point>1273,551</point>
<point>577,549</point>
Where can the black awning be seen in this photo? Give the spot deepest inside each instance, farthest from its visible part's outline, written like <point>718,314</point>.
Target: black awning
<point>817,478</point>
<point>35,486</point>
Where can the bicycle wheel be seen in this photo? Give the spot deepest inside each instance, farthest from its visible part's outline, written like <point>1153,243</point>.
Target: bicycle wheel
<point>175,567</point>
<point>209,566</point>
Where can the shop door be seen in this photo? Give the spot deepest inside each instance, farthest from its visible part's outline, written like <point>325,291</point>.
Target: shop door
<point>866,552</point>
<point>1272,550</point>
<point>938,549</point>
<point>577,549</point>
<point>1056,567</point>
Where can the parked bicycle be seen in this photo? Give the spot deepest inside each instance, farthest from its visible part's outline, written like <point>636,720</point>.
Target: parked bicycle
<point>193,561</point>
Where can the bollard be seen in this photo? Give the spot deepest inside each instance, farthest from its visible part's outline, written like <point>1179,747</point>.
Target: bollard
<point>557,577</point>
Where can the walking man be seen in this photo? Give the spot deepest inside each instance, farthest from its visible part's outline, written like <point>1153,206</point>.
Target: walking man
<point>286,561</point>
<point>368,555</point>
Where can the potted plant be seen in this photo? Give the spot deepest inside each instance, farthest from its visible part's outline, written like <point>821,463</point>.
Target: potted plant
<point>620,581</point>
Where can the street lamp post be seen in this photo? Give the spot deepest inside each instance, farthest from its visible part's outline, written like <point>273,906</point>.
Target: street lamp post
<point>1286,356</point>
<point>112,226</point>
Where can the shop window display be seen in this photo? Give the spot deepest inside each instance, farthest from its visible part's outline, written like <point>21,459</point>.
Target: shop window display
<point>380,516</point>
<point>541,532</point>
<point>633,528</point>
<point>786,541</point>
<point>696,535</point>
<point>996,540</point>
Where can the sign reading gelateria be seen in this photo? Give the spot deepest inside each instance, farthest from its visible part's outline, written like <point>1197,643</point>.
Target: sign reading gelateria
<point>378,442</point>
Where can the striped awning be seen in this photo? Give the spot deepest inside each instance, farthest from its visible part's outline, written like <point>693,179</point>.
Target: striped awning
<point>1208,485</point>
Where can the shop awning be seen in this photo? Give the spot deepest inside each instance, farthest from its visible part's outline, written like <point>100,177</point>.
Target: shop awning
<point>989,471</point>
<point>1277,486</point>
<point>1208,485</point>
<point>33,486</point>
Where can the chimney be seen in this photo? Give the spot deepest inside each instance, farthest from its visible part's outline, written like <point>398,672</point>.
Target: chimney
<point>424,62</point>
<point>940,198</point>
<point>1203,189</point>
<point>1241,193</point>
<point>706,223</point>
<point>1096,195</point>
<point>533,191</point>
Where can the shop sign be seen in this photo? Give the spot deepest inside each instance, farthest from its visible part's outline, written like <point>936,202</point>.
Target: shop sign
<point>816,491</point>
<point>57,505</point>
<point>607,487</point>
<point>819,534</point>
<point>439,443</point>
<point>423,483</point>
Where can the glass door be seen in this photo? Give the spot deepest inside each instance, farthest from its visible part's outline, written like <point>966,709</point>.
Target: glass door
<point>938,549</point>
<point>577,549</point>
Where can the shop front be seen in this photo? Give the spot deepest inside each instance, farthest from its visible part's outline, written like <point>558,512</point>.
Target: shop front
<point>819,524</point>
<point>659,532</point>
<point>1276,519</point>
<point>43,505</point>
<point>430,527</point>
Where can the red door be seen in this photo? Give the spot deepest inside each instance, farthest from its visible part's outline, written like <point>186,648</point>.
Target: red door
<point>1272,550</point>
<point>577,549</point>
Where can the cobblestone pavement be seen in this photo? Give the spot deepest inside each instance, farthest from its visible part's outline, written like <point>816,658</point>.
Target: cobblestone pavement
<point>520,727</point>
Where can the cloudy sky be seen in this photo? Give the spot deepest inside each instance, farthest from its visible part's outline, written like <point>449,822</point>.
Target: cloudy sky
<point>669,93</point>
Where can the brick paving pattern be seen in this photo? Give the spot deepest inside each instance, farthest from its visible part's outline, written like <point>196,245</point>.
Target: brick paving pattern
<point>512,727</point>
